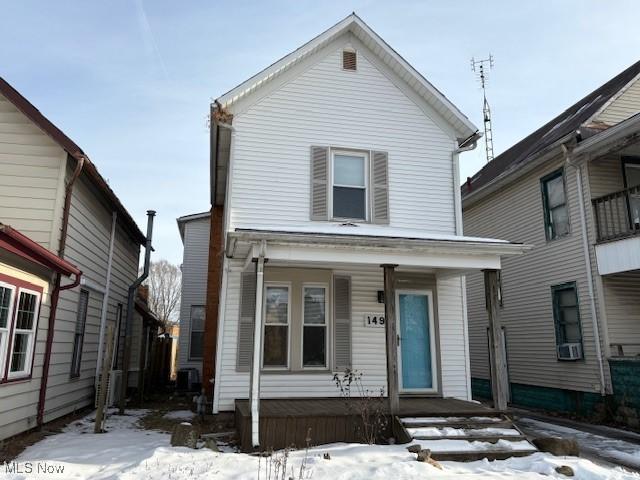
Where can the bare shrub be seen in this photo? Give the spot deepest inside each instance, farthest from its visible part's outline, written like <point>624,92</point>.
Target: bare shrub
<point>367,404</point>
<point>277,466</point>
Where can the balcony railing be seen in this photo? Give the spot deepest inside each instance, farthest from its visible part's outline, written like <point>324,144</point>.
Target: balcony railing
<point>617,214</point>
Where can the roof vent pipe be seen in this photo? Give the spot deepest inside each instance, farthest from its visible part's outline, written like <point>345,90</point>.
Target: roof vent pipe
<point>130,305</point>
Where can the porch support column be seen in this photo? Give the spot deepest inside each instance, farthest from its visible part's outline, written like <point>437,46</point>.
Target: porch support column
<point>254,394</point>
<point>392,338</point>
<point>497,354</point>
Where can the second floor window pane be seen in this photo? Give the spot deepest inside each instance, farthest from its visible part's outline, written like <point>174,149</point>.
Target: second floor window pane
<point>555,206</point>
<point>349,187</point>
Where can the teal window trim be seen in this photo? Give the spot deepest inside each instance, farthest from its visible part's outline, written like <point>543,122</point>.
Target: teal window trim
<point>558,313</point>
<point>549,227</point>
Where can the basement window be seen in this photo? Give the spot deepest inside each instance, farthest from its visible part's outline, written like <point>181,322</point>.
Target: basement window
<point>349,59</point>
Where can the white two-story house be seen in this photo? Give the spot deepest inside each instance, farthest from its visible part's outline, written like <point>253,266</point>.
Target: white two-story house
<point>336,238</point>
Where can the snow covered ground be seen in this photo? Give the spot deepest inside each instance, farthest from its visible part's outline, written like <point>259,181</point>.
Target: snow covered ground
<point>601,446</point>
<point>130,453</point>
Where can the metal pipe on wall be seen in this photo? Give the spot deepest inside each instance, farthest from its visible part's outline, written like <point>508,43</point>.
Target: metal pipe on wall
<point>130,306</point>
<point>105,295</point>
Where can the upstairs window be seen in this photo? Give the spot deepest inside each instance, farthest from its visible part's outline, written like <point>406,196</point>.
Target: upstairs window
<point>556,213</point>
<point>350,185</point>
<point>566,315</point>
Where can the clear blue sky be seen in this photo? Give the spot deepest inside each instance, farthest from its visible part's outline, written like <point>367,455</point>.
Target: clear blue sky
<point>130,81</point>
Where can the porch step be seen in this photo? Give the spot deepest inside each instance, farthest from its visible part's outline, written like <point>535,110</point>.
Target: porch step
<point>468,438</point>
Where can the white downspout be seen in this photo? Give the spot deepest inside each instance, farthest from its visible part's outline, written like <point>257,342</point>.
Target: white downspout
<point>257,344</point>
<point>222,308</point>
<point>457,205</point>
<point>105,296</point>
<point>587,264</point>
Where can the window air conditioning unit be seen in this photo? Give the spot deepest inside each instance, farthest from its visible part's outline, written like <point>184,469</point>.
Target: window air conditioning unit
<point>113,388</point>
<point>570,351</point>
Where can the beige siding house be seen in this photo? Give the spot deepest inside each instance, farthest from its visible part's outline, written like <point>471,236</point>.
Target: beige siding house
<point>52,193</point>
<point>570,311</point>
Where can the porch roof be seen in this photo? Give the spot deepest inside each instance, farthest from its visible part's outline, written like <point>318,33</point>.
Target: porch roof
<point>370,244</point>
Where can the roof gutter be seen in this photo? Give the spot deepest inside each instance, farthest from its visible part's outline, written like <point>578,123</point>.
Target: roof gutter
<point>601,142</point>
<point>55,295</point>
<point>370,242</point>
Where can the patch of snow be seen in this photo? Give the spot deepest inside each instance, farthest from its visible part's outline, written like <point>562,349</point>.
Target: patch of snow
<point>360,230</point>
<point>450,445</point>
<point>605,447</point>
<point>454,432</point>
<point>126,452</point>
<point>414,420</point>
<point>179,415</point>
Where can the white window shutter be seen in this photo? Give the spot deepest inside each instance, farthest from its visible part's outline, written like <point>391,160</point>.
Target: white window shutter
<point>244,353</point>
<point>380,187</point>
<point>342,326</point>
<point>319,183</point>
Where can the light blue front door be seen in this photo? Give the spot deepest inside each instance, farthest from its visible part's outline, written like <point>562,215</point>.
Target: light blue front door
<point>415,342</point>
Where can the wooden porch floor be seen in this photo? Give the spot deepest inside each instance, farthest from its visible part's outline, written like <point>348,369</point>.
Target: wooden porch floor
<point>289,422</point>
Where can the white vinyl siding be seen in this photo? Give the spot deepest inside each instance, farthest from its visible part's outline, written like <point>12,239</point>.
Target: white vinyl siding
<point>328,106</point>
<point>195,264</point>
<point>516,212</point>
<point>368,344</point>
<point>31,176</point>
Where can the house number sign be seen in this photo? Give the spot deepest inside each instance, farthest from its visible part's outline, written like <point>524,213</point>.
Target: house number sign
<point>374,320</point>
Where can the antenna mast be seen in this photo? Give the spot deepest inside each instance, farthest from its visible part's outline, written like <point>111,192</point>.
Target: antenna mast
<point>480,67</point>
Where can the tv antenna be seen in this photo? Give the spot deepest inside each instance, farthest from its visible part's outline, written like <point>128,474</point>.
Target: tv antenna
<point>481,67</point>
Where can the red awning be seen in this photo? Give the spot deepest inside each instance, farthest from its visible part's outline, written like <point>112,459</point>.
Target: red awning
<point>21,245</point>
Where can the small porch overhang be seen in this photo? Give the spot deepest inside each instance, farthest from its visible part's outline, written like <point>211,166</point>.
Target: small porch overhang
<point>341,244</point>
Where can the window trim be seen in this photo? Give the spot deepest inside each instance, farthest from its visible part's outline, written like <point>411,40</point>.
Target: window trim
<point>33,332</point>
<point>545,204</point>
<point>204,308</point>
<point>288,285</point>
<point>366,160</point>
<point>327,326</point>
<point>557,288</point>
<point>628,160</point>
<point>6,343</point>
<point>73,374</point>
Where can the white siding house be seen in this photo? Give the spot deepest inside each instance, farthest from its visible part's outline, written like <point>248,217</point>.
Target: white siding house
<point>194,231</point>
<point>53,194</point>
<point>337,160</point>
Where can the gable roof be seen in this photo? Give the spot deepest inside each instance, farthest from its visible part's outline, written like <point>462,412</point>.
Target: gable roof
<point>58,136</point>
<point>564,124</point>
<point>189,218</point>
<point>354,24</point>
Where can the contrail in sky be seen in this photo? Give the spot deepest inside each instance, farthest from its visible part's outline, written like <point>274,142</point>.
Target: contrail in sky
<point>149,39</point>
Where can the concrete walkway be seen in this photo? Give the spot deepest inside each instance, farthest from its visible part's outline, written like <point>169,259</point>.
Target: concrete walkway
<point>599,443</point>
